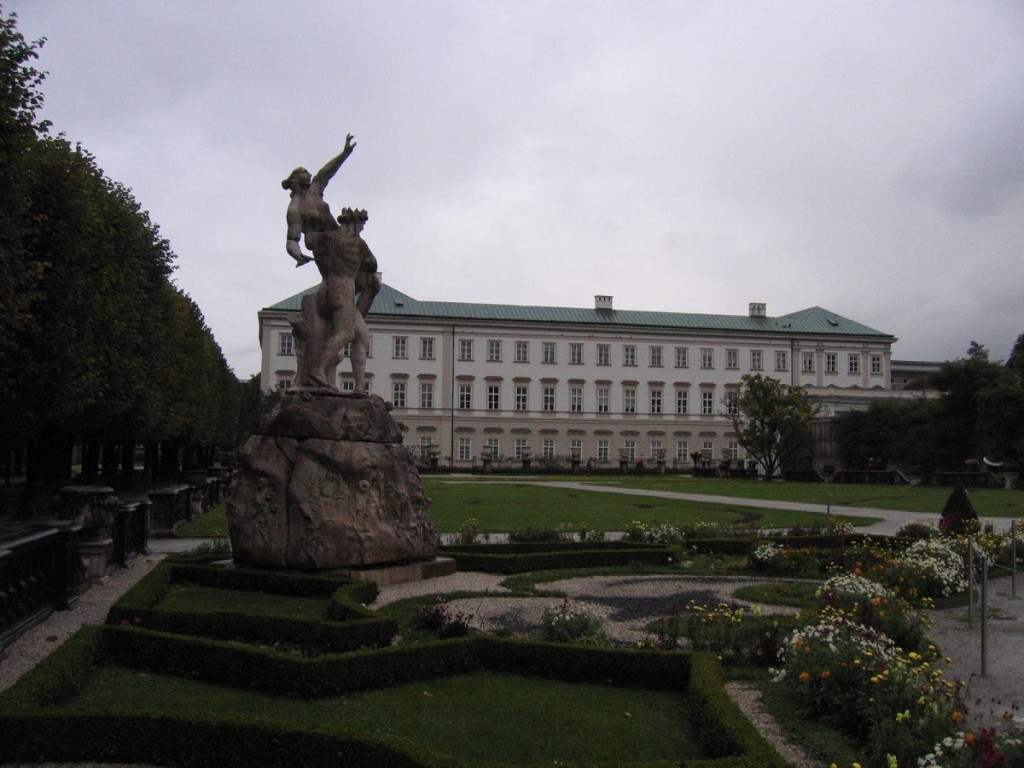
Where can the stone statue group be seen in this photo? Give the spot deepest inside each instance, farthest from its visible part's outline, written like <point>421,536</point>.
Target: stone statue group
<point>333,316</point>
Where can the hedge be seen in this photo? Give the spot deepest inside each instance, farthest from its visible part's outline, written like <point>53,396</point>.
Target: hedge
<point>520,558</point>
<point>349,625</point>
<point>46,732</point>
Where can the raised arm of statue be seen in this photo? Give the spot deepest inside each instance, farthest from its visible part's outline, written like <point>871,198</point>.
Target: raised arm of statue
<point>325,174</point>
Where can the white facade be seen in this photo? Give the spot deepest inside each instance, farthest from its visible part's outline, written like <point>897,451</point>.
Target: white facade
<point>468,378</point>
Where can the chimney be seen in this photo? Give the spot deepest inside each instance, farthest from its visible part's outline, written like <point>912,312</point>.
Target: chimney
<point>758,309</point>
<point>603,303</point>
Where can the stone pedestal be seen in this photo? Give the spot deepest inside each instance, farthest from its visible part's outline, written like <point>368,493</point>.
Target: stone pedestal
<point>326,484</point>
<point>97,556</point>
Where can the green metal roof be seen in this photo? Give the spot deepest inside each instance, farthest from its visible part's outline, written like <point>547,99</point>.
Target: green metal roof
<point>814,321</point>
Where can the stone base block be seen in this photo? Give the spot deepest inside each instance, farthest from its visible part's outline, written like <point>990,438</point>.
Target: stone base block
<point>97,556</point>
<point>386,575</point>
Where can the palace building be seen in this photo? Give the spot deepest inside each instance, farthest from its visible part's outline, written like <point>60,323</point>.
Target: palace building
<point>469,381</point>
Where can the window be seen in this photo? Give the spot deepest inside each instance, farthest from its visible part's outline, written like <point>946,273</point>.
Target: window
<point>347,385</point>
<point>682,357</point>
<point>426,348</point>
<point>682,401</point>
<point>575,447</point>
<point>399,348</point>
<point>286,344</point>
<point>284,383</point>
<point>782,361</point>
<point>876,365</point>
<point>656,396</point>
<point>494,350</point>
<point>732,359</point>
<point>493,397</point>
<point>831,362</point>
<point>603,400</point>
<point>682,450</point>
<point>465,349</point>
<point>576,399</point>
<point>733,450</point>
<point>708,448</point>
<point>853,362</point>
<point>707,403</point>
<point>630,448</point>
<point>465,397</point>
<point>426,394</point>
<point>398,394</point>
<point>655,449</point>
<point>548,353</point>
<point>346,351</point>
<point>575,354</point>
<point>655,357</point>
<point>522,398</point>
<point>602,450</point>
<point>604,354</point>
<point>465,449</point>
<point>492,445</point>
<point>426,444</point>
<point>807,362</point>
<point>756,360</point>
<point>548,399</point>
<point>707,357</point>
<point>521,447</point>
<point>629,400</point>
<point>522,351</point>
<point>732,404</point>
<point>629,355</point>
<point>547,448</point>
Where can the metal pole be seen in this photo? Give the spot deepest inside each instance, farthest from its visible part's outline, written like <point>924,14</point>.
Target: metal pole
<point>1013,559</point>
<point>984,616</point>
<point>970,582</point>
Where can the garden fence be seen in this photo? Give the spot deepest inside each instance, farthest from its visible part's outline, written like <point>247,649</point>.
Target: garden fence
<point>979,577</point>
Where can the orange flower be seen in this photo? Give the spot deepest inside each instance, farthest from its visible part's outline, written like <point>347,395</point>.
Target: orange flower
<point>958,716</point>
<point>805,675</point>
<point>826,674</point>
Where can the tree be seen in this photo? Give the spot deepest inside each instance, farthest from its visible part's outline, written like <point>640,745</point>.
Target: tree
<point>20,98</point>
<point>771,420</point>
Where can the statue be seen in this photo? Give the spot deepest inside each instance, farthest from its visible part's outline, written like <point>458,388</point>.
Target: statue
<point>326,483</point>
<point>332,317</point>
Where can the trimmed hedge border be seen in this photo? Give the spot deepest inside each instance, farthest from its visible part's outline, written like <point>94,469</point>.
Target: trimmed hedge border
<point>46,731</point>
<point>349,624</point>
<point>545,556</point>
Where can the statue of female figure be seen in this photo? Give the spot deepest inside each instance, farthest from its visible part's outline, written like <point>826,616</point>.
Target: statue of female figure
<point>329,317</point>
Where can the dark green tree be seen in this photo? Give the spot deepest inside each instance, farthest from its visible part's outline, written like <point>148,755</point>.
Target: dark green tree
<point>959,516</point>
<point>771,421</point>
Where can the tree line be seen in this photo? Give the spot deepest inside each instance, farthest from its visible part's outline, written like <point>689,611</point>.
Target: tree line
<point>98,347</point>
<point>976,412</point>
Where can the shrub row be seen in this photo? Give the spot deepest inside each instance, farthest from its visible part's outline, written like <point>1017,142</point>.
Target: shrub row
<point>49,733</point>
<point>729,737</point>
<point>196,742</point>
<point>350,626</point>
<point>538,557</point>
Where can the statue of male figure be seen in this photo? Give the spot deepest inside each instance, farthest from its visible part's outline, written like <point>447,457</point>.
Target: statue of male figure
<point>329,318</point>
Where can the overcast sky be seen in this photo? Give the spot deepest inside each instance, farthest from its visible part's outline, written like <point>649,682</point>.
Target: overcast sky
<point>866,157</point>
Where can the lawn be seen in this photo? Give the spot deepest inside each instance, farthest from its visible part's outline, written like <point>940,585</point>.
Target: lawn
<point>475,718</point>
<point>512,506</point>
<point>926,499</point>
<point>504,504</point>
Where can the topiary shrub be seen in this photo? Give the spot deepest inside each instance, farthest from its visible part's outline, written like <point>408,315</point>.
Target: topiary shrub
<point>958,516</point>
